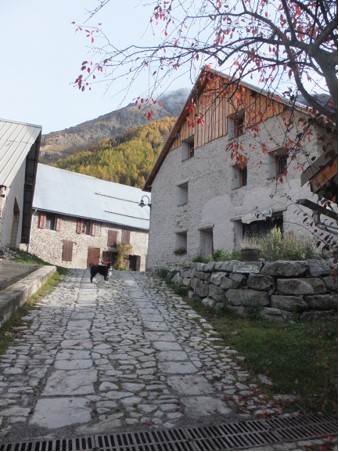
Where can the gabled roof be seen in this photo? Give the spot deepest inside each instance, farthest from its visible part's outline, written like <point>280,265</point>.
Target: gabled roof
<point>76,195</point>
<point>16,140</point>
<point>197,89</point>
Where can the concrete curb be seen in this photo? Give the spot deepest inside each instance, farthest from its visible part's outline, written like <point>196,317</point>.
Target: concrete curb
<point>17,294</point>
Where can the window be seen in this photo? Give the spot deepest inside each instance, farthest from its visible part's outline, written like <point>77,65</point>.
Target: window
<point>49,221</point>
<point>277,163</point>
<point>67,251</point>
<point>180,243</point>
<point>281,165</point>
<point>187,149</point>
<point>243,176</point>
<point>182,194</point>
<point>126,236</point>
<point>112,238</point>
<point>236,125</point>
<point>206,242</point>
<point>85,227</point>
<point>239,176</point>
<point>263,227</point>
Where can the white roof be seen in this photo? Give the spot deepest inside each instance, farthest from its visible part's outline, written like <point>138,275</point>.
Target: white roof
<point>77,195</point>
<point>16,140</point>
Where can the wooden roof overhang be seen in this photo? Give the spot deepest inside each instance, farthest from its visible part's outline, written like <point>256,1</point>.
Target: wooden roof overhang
<point>205,76</point>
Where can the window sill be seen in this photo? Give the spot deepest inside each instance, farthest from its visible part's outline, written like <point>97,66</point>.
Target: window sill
<point>237,188</point>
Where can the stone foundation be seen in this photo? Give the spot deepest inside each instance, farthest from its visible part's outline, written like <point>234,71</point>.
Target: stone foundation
<point>281,290</point>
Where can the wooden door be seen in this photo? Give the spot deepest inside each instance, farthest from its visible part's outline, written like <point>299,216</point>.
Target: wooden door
<point>93,256</point>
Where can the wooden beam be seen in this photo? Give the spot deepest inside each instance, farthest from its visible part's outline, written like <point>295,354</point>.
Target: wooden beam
<point>316,208</point>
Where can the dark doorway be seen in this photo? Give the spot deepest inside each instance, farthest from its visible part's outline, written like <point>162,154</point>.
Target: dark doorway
<point>263,227</point>
<point>134,263</point>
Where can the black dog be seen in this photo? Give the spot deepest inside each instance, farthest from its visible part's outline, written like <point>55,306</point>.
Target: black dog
<point>103,270</point>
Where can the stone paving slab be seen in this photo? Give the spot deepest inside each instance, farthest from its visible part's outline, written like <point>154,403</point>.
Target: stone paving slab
<point>122,354</point>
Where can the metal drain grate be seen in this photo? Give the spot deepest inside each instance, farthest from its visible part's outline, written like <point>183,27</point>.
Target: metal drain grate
<point>232,436</point>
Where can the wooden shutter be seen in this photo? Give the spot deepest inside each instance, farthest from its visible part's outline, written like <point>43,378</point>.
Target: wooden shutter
<point>125,236</point>
<point>79,226</point>
<point>93,256</point>
<point>67,251</point>
<point>93,228</point>
<point>57,223</point>
<point>112,238</point>
<point>42,220</point>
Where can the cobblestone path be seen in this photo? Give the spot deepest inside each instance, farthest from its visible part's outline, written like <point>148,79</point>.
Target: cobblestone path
<point>124,354</point>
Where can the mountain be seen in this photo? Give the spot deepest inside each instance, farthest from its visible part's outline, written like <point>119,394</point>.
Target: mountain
<point>127,158</point>
<point>64,143</point>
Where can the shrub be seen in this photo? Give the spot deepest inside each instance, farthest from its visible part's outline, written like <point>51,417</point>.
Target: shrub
<point>124,250</point>
<point>226,255</point>
<point>275,245</point>
<point>199,258</point>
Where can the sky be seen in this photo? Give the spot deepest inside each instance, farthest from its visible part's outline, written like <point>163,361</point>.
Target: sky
<point>41,56</point>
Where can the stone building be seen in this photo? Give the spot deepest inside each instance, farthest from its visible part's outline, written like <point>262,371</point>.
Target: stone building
<point>19,151</point>
<point>230,167</point>
<point>79,220</point>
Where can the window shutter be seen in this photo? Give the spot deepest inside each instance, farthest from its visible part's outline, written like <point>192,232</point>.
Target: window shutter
<point>125,236</point>
<point>112,238</point>
<point>42,220</point>
<point>67,251</point>
<point>93,228</point>
<point>79,227</point>
<point>58,223</point>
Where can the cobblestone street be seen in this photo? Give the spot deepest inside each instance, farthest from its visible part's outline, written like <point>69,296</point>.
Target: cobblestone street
<point>119,355</point>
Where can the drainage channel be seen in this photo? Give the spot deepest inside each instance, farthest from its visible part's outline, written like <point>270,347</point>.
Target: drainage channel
<point>232,436</point>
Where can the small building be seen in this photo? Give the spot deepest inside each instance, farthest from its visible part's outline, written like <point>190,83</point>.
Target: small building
<point>230,167</point>
<point>80,220</point>
<point>19,152</point>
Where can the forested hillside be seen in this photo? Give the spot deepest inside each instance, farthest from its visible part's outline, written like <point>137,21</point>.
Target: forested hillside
<point>127,158</point>
<point>64,143</point>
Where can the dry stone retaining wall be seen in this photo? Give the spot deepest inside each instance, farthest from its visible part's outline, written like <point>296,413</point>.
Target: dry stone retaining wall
<point>278,290</point>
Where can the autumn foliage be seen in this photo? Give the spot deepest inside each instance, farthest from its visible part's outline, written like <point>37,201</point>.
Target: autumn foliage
<point>283,46</point>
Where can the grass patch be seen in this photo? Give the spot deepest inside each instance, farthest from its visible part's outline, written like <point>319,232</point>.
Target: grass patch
<point>8,330</point>
<point>301,358</point>
<point>23,257</point>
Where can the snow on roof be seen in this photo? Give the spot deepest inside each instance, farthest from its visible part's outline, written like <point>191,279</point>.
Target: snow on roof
<point>77,195</point>
<point>16,140</point>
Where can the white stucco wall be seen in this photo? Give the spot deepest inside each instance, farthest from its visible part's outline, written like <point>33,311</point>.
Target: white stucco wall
<point>48,244</point>
<point>212,203</point>
<point>14,192</point>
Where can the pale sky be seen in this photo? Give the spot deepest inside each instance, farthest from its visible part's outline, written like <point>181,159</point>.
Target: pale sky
<point>41,56</point>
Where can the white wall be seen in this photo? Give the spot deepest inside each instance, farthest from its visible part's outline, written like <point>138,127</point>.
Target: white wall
<point>211,200</point>
<point>14,192</point>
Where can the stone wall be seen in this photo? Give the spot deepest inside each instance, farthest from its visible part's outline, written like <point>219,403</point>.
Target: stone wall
<point>214,204</point>
<point>278,290</point>
<point>48,244</point>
